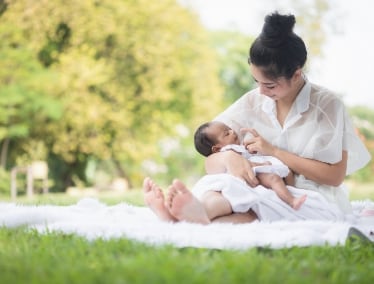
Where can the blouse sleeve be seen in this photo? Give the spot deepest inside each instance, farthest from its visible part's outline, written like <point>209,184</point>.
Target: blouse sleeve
<point>358,155</point>
<point>333,132</point>
<point>243,112</point>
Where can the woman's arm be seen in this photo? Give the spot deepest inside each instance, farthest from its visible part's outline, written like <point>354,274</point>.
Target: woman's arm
<point>232,163</point>
<point>317,171</point>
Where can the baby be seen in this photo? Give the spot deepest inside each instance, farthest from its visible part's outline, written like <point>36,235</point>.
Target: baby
<point>212,137</point>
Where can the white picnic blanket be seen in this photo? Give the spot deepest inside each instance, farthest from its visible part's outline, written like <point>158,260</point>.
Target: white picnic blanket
<point>92,219</point>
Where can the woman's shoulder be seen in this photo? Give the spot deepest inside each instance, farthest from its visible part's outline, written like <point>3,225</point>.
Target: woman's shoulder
<point>247,102</point>
<point>242,110</point>
<point>322,97</point>
<point>252,99</point>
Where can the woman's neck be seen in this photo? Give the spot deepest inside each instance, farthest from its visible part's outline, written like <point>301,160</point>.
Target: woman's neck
<point>295,88</point>
<point>284,105</point>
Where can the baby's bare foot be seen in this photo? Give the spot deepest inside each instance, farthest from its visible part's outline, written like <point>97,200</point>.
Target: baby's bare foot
<point>184,206</point>
<point>154,199</point>
<point>297,202</point>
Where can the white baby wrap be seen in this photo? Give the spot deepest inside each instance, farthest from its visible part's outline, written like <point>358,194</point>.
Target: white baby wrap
<point>264,202</point>
<point>276,167</point>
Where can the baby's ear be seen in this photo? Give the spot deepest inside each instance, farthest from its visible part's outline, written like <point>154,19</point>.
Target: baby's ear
<point>216,148</point>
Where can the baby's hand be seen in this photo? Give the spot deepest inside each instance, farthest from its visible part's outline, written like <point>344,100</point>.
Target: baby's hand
<point>249,134</point>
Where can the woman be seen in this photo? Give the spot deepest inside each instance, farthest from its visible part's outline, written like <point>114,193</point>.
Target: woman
<point>303,125</point>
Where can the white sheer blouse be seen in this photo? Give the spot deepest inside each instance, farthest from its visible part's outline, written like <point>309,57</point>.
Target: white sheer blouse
<point>317,127</point>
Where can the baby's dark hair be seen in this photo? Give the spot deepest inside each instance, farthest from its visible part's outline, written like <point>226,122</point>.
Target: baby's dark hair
<point>278,51</point>
<point>203,143</point>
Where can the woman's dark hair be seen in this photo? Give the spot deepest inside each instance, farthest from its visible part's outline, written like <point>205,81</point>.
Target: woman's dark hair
<point>278,51</point>
<point>203,143</point>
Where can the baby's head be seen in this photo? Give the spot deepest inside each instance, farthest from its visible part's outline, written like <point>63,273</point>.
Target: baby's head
<point>210,137</point>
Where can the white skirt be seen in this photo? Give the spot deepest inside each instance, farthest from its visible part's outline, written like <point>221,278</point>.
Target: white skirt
<point>265,203</point>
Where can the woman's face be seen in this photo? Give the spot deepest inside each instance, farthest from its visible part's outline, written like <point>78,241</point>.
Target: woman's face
<point>276,89</point>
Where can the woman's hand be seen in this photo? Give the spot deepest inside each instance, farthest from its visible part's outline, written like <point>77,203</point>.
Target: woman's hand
<point>317,171</point>
<point>232,163</point>
<point>256,144</point>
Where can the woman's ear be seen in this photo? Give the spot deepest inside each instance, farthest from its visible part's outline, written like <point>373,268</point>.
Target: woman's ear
<point>298,73</point>
<point>216,148</point>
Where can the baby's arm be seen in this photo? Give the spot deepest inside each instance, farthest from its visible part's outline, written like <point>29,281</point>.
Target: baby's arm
<point>219,167</point>
<point>256,164</point>
<point>233,164</point>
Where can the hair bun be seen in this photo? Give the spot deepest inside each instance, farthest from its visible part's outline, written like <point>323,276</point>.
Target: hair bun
<point>276,29</point>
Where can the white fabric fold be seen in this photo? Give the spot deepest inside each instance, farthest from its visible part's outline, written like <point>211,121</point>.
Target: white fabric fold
<point>91,219</point>
<point>266,204</point>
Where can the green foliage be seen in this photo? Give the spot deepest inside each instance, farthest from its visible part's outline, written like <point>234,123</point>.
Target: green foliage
<point>357,191</point>
<point>30,257</point>
<point>55,45</point>
<point>24,97</point>
<point>177,158</point>
<point>232,49</point>
<point>123,74</point>
<point>363,119</point>
<point>312,18</point>
<point>4,182</point>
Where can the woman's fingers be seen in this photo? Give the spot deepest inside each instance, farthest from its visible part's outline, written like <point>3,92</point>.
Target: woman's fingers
<point>254,132</point>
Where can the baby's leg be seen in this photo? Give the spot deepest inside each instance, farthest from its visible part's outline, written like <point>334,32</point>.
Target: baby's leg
<point>215,204</point>
<point>219,209</point>
<point>276,183</point>
<point>184,206</point>
<point>237,218</point>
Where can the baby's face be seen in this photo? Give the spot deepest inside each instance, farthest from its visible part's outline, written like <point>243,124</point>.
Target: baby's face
<point>224,134</point>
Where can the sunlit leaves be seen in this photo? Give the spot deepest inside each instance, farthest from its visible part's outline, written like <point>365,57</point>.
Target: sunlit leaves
<point>124,73</point>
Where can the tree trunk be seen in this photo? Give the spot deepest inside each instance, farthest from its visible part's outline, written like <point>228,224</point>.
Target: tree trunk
<point>121,172</point>
<point>4,152</point>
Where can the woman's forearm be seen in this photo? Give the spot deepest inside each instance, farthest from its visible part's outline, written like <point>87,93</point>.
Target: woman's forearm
<point>319,172</point>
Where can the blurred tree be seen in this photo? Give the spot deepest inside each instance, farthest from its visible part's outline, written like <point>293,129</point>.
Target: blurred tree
<point>24,100</point>
<point>363,119</point>
<point>232,49</point>
<point>313,20</point>
<point>127,73</point>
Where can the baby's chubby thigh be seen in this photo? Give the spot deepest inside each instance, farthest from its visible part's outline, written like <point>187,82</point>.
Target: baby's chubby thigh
<point>269,180</point>
<point>240,195</point>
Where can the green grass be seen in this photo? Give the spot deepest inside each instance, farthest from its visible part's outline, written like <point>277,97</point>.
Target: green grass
<point>133,196</point>
<point>29,257</point>
<point>358,191</point>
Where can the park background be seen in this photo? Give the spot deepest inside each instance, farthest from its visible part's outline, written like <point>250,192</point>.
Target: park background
<point>111,91</point>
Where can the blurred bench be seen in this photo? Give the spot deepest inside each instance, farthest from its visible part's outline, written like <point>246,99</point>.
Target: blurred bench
<point>37,170</point>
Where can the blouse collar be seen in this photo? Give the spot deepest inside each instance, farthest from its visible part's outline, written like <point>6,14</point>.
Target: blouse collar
<point>303,98</point>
